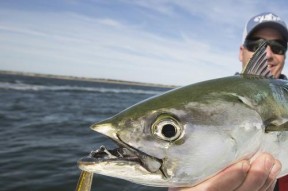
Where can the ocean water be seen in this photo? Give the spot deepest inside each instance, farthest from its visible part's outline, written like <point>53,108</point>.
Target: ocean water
<point>44,130</point>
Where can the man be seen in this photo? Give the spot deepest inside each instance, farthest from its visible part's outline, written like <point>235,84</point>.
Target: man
<point>269,27</point>
<point>261,174</point>
<point>266,26</point>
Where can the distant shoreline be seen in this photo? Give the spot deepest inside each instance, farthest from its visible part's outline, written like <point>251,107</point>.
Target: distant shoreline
<point>112,81</point>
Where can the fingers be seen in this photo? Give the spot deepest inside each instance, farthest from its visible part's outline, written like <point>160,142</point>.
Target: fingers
<point>181,189</point>
<point>271,188</point>
<point>226,180</point>
<point>262,174</point>
<point>230,178</point>
<point>271,180</point>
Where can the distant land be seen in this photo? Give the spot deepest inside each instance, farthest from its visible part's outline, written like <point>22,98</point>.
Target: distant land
<point>85,79</point>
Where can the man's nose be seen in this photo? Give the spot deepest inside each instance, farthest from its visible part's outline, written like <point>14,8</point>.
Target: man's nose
<point>269,52</point>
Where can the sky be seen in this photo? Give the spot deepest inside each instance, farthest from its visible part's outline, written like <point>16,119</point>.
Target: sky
<point>171,42</point>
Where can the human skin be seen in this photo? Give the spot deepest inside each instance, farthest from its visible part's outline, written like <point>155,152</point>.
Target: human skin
<point>275,61</point>
<point>259,175</point>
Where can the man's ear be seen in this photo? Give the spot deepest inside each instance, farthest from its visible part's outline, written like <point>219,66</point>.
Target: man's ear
<point>241,53</point>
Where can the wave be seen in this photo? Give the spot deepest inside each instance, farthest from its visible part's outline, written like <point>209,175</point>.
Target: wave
<point>32,87</point>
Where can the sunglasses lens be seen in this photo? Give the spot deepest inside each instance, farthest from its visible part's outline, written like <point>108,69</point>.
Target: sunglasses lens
<point>252,45</point>
<point>277,46</point>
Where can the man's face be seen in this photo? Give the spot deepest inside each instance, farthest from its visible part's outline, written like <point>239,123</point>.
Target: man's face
<point>275,61</point>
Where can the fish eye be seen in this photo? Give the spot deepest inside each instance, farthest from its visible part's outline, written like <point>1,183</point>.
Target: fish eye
<point>167,129</point>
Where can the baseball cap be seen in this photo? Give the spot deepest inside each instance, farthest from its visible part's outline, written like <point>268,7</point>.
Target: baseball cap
<point>266,19</point>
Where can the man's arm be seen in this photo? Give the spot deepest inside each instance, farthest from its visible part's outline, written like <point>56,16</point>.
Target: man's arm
<point>260,175</point>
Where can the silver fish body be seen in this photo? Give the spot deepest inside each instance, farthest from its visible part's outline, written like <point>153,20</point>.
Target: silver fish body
<point>189,134</point>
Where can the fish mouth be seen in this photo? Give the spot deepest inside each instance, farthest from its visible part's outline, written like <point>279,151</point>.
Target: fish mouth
<point>103,154</point>
<point>124,154</point>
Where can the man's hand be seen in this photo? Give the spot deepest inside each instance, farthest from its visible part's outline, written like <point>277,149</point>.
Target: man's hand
<point>260,175</point>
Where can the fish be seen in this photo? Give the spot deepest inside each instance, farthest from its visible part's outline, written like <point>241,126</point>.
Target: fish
<point>189,134</point>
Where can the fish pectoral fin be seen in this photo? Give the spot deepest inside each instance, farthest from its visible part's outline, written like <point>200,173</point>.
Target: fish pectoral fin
<point>244,100</point>
<point>279,124</point>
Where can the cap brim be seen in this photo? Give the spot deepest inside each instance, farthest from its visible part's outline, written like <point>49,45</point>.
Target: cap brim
<point>283,30</point>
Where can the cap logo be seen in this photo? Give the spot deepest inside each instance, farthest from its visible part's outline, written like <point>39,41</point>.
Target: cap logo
<point>268,17</point>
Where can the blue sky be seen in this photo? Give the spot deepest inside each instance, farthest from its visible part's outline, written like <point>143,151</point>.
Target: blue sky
<point>155,41</point>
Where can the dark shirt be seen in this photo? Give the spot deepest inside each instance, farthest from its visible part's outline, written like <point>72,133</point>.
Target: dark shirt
<point>282,77</point>
<point>282,184</point>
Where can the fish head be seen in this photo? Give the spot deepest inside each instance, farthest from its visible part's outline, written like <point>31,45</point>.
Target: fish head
<point>175,139</point>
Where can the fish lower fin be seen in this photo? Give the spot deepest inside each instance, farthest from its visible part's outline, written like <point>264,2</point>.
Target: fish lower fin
<point>279,124</point>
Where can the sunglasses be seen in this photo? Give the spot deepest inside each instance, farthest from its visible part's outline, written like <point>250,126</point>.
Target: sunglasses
<point>277,46</point>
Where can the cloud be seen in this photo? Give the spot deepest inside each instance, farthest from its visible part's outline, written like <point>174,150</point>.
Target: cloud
<point>169,42</point>
<point>80,45</point>
<point>109,22</point>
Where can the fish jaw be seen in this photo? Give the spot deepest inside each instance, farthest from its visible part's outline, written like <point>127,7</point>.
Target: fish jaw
<point>124,169</point>
<point>124,162</point>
